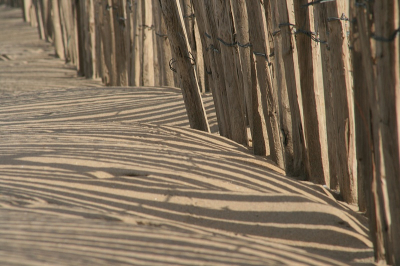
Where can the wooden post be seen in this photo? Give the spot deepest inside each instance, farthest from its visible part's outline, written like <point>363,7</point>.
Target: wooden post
<point>190,89</point>
<point>39,18</point>
<point>57,34</point>
<point>337,81</point>
<point>99,18</point>
<point>121,36</point>
<point>308,93</point>
<point>68,36</point>
<point>97,7</point>
<point>241,24</point>
<point>46,11</point>
<point>224,34</point>
<point>32,15</point>
<point>215,76</point>
<point>200,66</point>
<point>136,39</point>
<point>91,44</point>
<point>291,127</point>
<point>190,21</point>
<point>156,56</point>
<point>80,36</point>
<point>26,10</point>
<point>147,54</point>
<point>163,47</point>
<point>387,161</point>
<point>263,93</point>
<point>232,107</point>
<point>166,77</point>
<point>364,80</point>
<point>108,40</point>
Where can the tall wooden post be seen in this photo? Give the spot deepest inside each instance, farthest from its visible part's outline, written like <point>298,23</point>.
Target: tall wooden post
<point>264,95</point>
<point>308,93</point>
<point>137,49</point>
<point>222,12</point>
<point>147,54</point>
<point>241,24</point>
<point>156,56</point>
<point>163,47</point>
<point>26,10</point>
<point>97,7</point>
<point>291,127</point>
<point>337,85</point>
<point>211,55</point>
<point>108,41</point>
<point>57,34</point>
<point>120,29</point>
<point>364,80</point>
<point>190,19</point>
<point>68,30</point>
<point>190,88</point>
<point>39,18</point>
<point>387,161</point>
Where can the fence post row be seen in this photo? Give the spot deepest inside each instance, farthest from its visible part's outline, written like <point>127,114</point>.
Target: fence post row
<point>316,82</point>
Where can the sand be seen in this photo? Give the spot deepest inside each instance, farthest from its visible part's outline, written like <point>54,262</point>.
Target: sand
<point>94,175</point>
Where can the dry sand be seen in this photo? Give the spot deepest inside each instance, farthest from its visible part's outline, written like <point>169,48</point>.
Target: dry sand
<point>94,175</point>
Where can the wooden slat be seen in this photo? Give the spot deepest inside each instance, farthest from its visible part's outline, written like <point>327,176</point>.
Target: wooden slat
<point>221,11</point>
<point>213,66</point>
<point>308,94</point>
<point>180,47</point>
<point>287,82</point>
<point>58,39</point>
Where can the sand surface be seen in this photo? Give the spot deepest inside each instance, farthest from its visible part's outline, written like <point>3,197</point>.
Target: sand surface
<point>94,175</point>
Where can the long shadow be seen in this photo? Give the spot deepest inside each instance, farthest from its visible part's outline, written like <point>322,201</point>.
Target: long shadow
<point>59,163</point>
<point>104,176</point>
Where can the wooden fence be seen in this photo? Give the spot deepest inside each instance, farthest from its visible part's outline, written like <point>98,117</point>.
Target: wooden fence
<point>317,83</point>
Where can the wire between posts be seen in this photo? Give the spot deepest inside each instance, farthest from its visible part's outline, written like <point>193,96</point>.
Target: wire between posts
<point>384,39</point>
<point>343,18</point>
<point>190,16</point>
<point>247,45</point>
<point>173,61</point>
<point>316,2</point>
<point>151,27</point>
<point>310,34</point>
<point>161,35</point>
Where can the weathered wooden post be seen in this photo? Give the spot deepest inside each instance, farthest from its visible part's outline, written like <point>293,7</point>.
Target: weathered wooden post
<point>163,48</point>
<point>68,31</point>
<point>108,41</point>
<point>57,34</point>
<point>121,37</point>
<point>39,18</point>
<point>147,53</point>
<point>156,57</point>
<point>387,89</point>
<point>183,65</point>
<point>137,44</point>
<point>97,6</point>
<point>364,80</point>
<point>214,73</point>
<point>190,21</point>
<point>264,101</point>
<point>377,86</point>
<point>26,10</point>
<point>337,85</point>
<point>32,15</point>
<point>308,75</point>
<point>241,25</point>
<point>224,34</point>
<point>296,163</point>
<point>46,11</point>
